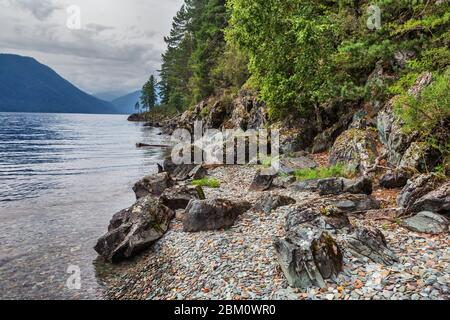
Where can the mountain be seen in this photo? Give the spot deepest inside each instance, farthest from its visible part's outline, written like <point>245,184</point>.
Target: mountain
<point>126,103</point>
<point>109,95</point>
<point>29,86</point>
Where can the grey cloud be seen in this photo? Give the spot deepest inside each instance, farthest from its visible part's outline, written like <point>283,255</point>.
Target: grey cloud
<point>40,9</point>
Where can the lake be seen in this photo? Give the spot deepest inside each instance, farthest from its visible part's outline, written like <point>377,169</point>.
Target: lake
<point>62,177</point>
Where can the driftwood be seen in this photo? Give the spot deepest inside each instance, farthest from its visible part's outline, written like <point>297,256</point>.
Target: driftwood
<point>144,145</point>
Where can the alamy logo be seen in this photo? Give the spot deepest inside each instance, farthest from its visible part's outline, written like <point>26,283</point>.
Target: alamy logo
<point>74,281</point>
<point>74,17</point>
<point>229,146</point>
<point>374,20</point>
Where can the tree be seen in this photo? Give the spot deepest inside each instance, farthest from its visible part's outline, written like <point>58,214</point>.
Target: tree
<point>148,97</point>
<point>137,107</point>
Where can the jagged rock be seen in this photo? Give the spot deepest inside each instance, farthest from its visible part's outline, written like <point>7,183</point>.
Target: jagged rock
<point>283,181</point>
<point>371,243</point>
<point>288,165</point>
<point>354,148</point>
<point>357,203</point>
<point>436,201</point>
<point>327,218</point>
<point>394,141</point>
<point>395,179</point>
<point>152,185</point>
<point>268,203</point>
<point>160,168</point>
<point>325,139</point>
<point>416,188</point>
<point>134,229</point>
<point>308,256</point>
<point>199,172</point>
<point>262,182</point>
<point>335,186</point>
<point>215,214</point>
<point>296,134</point>
<point>169,166</point>
<point>218,112</point>
<point>427,222</point>
<point>420,156</point>
<point>179,197</point>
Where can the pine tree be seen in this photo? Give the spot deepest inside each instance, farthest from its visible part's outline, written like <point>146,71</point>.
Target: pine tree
<point>148,97</point>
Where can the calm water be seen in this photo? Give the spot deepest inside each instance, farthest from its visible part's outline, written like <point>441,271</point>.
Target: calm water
<point>62,177</point>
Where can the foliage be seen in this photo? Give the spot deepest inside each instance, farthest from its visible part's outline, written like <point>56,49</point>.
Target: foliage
<point>322,173</point>
<point>148,97</point>
<point>207,182</point>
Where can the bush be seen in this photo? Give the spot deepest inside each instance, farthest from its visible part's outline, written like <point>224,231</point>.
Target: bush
<point>207,183</point>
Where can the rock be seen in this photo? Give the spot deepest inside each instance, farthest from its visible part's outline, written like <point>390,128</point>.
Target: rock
<point>335,186</point>
<point>179,197</point>
<point>199,172</point>
<point>422,81</point>
<point>268,203</point>
<point>436,201</point>
<point>134,229</point>
<point>357,203</point>
<point>326,218</point>
<point>283,181</point>
<point>355,148</point>
<point>152,185</point>
<point>391,135</point>
<point>371,243</point>
<point>307,257</point>
<point>395,179</point>
<point>420,156</point>
<point>169,166</point>
<point>290,165</point>
<point>215,214</point>
<point>296,134</point>
<point>427,222</point>
<point>160,168</point>
<point>262,182</point>
<point>416,188</point>
<point>325,139</point>
<point>184,172</point>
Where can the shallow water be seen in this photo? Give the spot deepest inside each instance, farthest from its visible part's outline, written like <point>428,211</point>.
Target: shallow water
<point>62,177</point>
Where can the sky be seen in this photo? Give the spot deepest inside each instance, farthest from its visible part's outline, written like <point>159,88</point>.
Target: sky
<point>118,45</point>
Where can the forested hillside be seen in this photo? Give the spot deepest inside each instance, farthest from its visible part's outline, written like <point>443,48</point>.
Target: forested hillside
<point>303,56</point>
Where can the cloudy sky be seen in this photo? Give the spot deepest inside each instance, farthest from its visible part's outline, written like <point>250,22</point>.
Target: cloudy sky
<point>118,46</point>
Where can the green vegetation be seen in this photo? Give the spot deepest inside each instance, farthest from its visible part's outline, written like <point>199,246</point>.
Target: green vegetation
<point>207,183</point>
<point>148,97</point>
<point>322,173</point>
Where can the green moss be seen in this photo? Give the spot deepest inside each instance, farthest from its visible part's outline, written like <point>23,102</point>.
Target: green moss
<point>338,170</point>
<point>207,183</point>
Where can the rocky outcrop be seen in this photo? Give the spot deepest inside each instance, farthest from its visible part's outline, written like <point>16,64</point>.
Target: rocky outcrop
<point>308,257</point>
<point>215,214</point>
<point>152,185</point>
<point>437,201</point>
<point>396,178</point>
<point>268,203</point>
<point>427,222</point>
<point>134,229</point>
<point>327,218</point>
<point>335,186</point>
<point>416,188</point>
<point>354,148</point>
<point>325,139</point>
<point>371,243</point>
<point>420,156</point>
<point>288,165</point>
<point>179,197</point>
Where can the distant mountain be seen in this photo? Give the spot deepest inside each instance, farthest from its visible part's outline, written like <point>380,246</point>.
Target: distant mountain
<point>29,86</point>
<point>126,103</point>
<point>109,95</point>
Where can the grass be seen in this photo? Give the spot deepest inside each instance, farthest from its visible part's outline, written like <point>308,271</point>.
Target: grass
<point>322,173</point>
<point>208,183</point>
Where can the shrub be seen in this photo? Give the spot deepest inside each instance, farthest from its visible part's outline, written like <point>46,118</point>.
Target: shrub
<point>207,183</point>
<point>322,173</point>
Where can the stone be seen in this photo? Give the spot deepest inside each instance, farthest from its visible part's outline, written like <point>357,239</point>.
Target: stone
<point>416,188</point>
<point>427,222</point>
<point>371,243</point>
<point>169,166</point>
<point>437,201</point>
<point>288,165</point>
<point>268,203</point>
<point>357,203</point>
<point>214,214</point>
<point>354,148</point>
<point>335,186</point>
<point>183,172</point>
<point>134,230</point>
<point>420,156</point>
<point>327,218</point>
<point>395,179</point>
<point>199,172</point>
<point>308,257</point>
<point>262,182</point>
<point>152,185</point>
<point>179,197</point>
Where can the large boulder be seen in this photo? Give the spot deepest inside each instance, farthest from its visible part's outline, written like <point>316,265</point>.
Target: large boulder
<point>396,178</point>
<point>268,203</point>
<point>416,188</point>
<point>214,214</point>
<point>355,148</point>
<point>152,185</point>
<point>335,186</point>
<point>288,165</point>
<point>179,197</point>
<point>371,243</point>
<point>437,201</point>
<point>308,256</point>
<point>420,156</point>
<point>134,229</point>
<point>262,181</point>
<point>326,218</point>
<point>427,222</point>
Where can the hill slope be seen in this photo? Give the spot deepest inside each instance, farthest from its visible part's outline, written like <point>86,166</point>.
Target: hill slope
<point>29,86</point>
<point>126,103</point>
